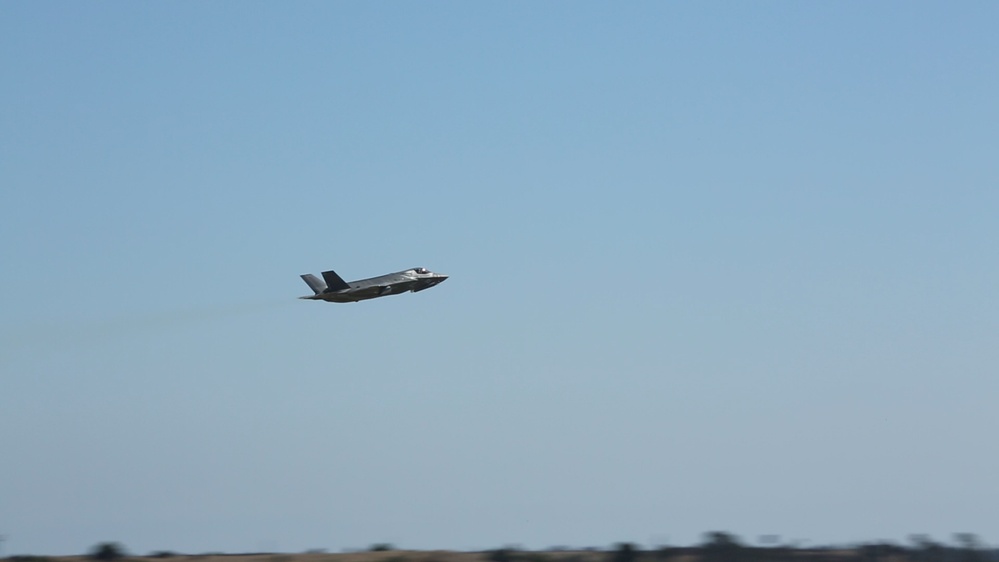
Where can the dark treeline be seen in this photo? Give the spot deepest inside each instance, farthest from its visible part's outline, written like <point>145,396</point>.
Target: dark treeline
<point>726,547</point>
<point>715,547</point>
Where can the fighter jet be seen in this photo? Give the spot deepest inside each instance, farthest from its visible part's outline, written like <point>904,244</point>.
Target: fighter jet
<point>335,289</point>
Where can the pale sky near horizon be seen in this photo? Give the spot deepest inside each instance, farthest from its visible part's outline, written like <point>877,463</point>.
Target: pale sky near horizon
<point>714,266</point>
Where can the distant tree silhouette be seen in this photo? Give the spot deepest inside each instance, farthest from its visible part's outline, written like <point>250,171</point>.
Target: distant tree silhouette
<point>381,547</point>
<point>532,556</point>
<point>664,553</point>
<point>517,554</point>
<point>501,555</point>
<point>970,548</point>
<point>925,549</point>
<point>719,546</point>
<point>625,552</point>
<point>879,551</point>
<point>107,551</point>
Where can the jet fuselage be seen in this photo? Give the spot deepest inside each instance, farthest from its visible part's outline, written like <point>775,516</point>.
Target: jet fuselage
<point>334,289</point>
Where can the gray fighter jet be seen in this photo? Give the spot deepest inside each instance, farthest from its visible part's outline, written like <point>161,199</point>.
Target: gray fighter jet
<point>335,289</point>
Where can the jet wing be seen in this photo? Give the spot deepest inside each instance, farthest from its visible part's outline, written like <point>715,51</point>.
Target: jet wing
<point>369,292</point>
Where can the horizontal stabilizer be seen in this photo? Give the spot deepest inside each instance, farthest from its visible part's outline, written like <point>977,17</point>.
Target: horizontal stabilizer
<point>334,282</point>
<point>314,283</point>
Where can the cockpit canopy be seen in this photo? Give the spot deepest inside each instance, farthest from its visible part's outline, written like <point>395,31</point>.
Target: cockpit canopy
<point>421,270</point>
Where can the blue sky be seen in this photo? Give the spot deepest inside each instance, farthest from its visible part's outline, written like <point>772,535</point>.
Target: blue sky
<point>714,266</point>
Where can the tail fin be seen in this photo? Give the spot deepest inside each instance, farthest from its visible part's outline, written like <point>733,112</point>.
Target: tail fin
<point>334,281</point>
<point>315,284</point>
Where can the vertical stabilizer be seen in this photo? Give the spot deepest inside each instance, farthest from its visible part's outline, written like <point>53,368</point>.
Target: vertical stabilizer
<point>314,283</point>
<point>334,281</point>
